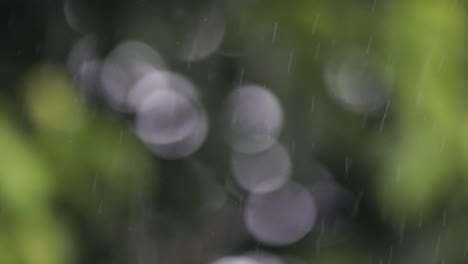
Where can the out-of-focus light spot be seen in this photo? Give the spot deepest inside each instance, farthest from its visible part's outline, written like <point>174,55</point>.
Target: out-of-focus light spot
<point>214,194</point>
<point>250,258</point>
<point>160,80</point>
<point>169,119</point>
<point>331,197</point>
<point>255,118</point>
<point>280,217</point>
<point>335,207</point>
<point>123,67</point>
<point>205,38</point>
<point>77,15</point>
<point>292,260</point>
<point>357,84</point>
<point>235,260</point>
<point>263,171</point>
<point>83,51</point>
<point>87,77</point>
<point>264,258</point>
<point>313,172</point>
<point>166,117</point>
<point>84,65</point>
<point>220,223</point>
<point>187,145</point>
<point>69,9</point>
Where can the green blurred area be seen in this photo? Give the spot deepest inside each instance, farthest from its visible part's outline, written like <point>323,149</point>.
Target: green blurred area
<point>72,172</point>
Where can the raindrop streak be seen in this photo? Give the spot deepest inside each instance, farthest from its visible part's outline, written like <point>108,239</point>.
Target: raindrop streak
<point>437,249</point>
<point>317,50</point>
<point>316,24</point>
<point>312,104</point>
<point>95,183</point>
<point>241,79</point>
<point>384,116</point>
<point>291,56</point>
<point>275,28</point>
<point>402,232</point>
<point>369,43</point>
<point>348,163</point>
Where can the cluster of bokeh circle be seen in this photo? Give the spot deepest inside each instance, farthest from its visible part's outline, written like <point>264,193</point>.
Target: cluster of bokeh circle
<point>171,120</point>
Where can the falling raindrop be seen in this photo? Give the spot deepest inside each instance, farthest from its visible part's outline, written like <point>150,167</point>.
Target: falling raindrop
<point>275,28</point>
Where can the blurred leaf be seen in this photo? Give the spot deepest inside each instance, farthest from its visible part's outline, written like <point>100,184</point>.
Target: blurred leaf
<point>25,181</point>
<point>53,105</point>
<point>43,242</point>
